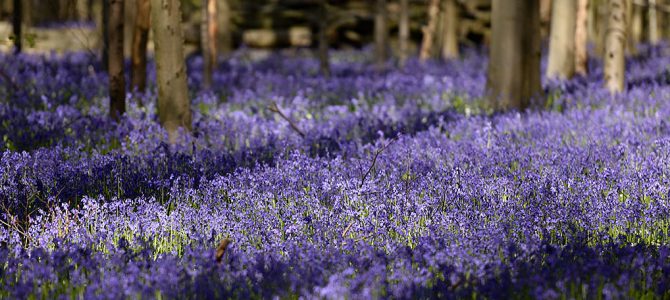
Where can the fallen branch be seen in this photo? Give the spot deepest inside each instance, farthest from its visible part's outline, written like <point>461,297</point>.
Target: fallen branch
<point>374,161</point>
<point>344,233</point>
<point>275,109</point>
<point>222,249</point>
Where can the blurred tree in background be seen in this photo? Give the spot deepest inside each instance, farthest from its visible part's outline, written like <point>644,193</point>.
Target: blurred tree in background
<point>398,31</point>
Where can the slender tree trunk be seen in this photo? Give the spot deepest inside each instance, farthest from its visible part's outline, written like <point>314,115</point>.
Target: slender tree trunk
<point>117,83</point>
<point>654,36</point>
<point>581,37</point>
<point>208,40</point>
<point>403,31</point>
<point>105,35</point>
<point>514,64</point>
<point>429,30</point>
<point>64,10</point>
<point>174,107</point>
<point>138,74</point>
<point>129,17</point>
<point>436,52</point>
<point>636,25</point>
<point>381,34</point>
<point>17,16</point>
<point>615,46</point>
<point>224,24</point>
<point>450,21</point>
<point>631,45</point>
<point>27,14</point>
<point>561,62</point>
<point>324,64</point>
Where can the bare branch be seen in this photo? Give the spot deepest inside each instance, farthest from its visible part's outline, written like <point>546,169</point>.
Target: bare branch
<point>275,109</point>
<point>374,161</point>
<point>344,233</point>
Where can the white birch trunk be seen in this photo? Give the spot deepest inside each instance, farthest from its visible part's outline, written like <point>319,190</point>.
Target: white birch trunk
<point>581,37</point>
<point>615,46</point>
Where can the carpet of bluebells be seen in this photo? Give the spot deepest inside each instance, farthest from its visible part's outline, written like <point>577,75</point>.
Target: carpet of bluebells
<point>404,185</point>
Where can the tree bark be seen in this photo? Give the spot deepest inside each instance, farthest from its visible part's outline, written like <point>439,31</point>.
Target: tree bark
<point>615,46</point>
<point>429,30</point>
<point>208,32</point>
<point>403,31</point>
<point>545,17</point>
<point>138,74</point>
<point>636,25</point>
<point>129,17</point>
<point>117,83</point>
<point>514,64</point>
<point>67,10</point>
<point>581,38</point>
<point>631,48</point>
<point>561,61</point>
<point>381,34</point>
<point>81,7</point>
<point>174,107</point>
<point>602,20</point>
<point>17,16</point>
<point>89,4</point>
<point>450,20</point>
<point>654,35</point>
<point>224,26</point>
<point>105,35</point>
<point>324,63</point>
<point>593,21</point>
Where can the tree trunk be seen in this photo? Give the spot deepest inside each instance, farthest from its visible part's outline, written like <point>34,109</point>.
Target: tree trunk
<point>615,46</point>
<point>64,10</point>
<point>117,82</point>
<point>105,35</point>
<point>224,26</point>
<point>545,17</point>
<point>581,37</point>
<point>636,25</point>
<point>514,64</point>
<point>129,17</point>
<point>381,34</point>
<point>429,30</point>
<point>403,31</point>
<point>174,107</point>
<point>17,16</point>
<point>208,33</point>
<point>450,17</point>
<point>561,61</point>
<point>654,35</point>
<point>603,25</point>
<point>593,21</point>
<point>81,7</point>
<point>138,74</point>
<point>324,64</point>
<point>631,46</point>
<point>89,4</point>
